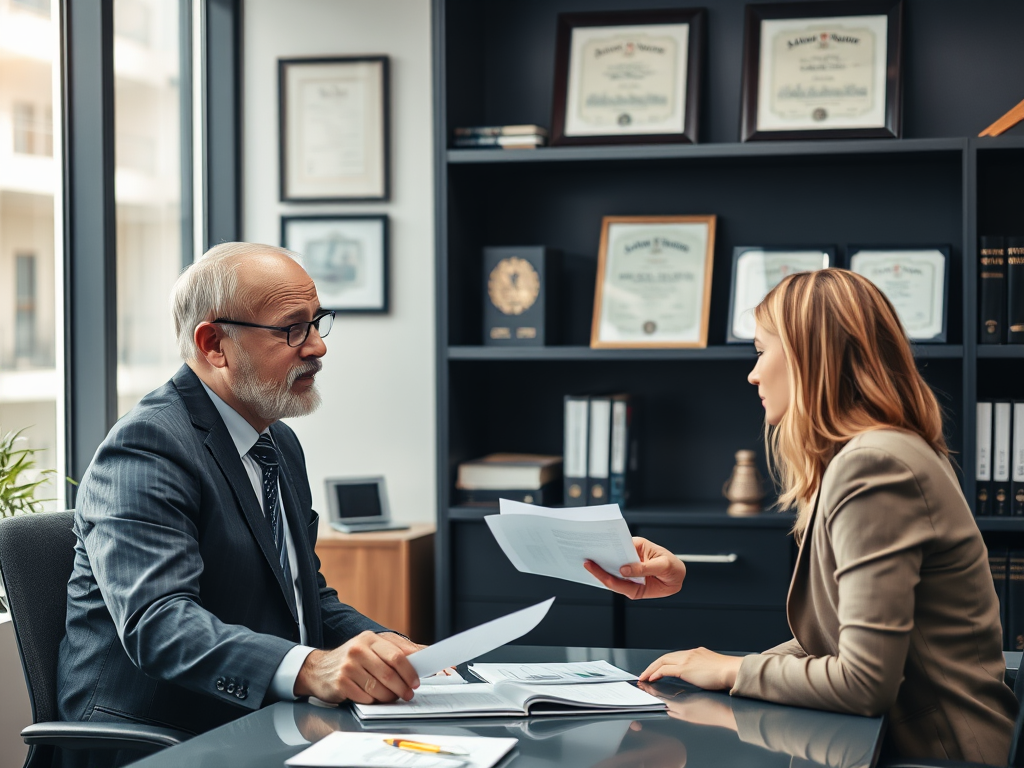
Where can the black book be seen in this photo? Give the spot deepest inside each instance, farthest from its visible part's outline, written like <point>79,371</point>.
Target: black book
<point>1015,601</point>
<point>992,290</point>
<point>998,561</point>
<point>545,496</point>
<point>1015,290</point>
<point>521,295</point>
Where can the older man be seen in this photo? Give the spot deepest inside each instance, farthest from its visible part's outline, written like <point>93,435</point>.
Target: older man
<point>196,594</point>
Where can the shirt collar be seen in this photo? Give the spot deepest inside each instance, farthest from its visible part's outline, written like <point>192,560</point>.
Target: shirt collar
<point>242,432</point>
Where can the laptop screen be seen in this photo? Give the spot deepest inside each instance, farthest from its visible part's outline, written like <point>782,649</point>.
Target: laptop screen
<point>358,500</point>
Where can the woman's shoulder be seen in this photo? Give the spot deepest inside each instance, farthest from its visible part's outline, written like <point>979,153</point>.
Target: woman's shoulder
<point>883,457</point>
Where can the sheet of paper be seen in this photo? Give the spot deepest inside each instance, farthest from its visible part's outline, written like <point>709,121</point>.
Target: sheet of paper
<point>477,641</point>
<point>452,678</point>
<point>557,673</point>
<point>461,700</point>
<point>555,542</point>
<point>368,750</point>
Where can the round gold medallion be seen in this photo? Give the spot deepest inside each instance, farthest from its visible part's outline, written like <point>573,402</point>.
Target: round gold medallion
<point>513,285</point>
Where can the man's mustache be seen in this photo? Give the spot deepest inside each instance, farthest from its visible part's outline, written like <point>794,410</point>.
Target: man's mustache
<point>310,366</point>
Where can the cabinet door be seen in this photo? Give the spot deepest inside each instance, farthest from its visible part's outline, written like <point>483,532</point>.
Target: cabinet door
<point>758,576</point>
<point>566,623</point>
<point>720,629</point>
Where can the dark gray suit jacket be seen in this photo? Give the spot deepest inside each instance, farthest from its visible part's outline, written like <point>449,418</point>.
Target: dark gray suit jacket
<point>178,612</point>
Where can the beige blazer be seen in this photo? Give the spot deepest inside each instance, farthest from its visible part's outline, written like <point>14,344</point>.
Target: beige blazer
<point>893,609</point>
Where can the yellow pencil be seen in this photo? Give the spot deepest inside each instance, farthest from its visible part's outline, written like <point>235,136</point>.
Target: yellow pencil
<point>419,746</point>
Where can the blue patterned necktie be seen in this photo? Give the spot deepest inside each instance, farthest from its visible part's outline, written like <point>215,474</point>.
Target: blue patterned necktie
<point>266,456</point>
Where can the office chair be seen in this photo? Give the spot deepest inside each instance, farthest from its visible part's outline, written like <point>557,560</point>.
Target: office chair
<point>37,553</point>
<point>1015,758</point>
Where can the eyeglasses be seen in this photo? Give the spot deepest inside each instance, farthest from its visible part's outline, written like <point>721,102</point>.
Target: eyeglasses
<point>297,332</point>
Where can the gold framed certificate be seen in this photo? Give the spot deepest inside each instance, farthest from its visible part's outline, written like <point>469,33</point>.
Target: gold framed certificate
<point>822,70</point>
<point>334,129</point>
<point>628,77</point>
<point>914,279</point>
<point>755,271</point>
<point>653,282</point>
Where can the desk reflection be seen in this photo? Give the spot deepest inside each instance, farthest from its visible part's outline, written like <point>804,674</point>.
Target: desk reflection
<point>700,730</point>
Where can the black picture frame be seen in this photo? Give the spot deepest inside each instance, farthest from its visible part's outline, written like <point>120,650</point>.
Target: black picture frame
<point>739,251</point>
<point>755,14</point>
<point>298,233</point>
<point>696,19</point>
<point>381,165</point>
<point>943,248</point>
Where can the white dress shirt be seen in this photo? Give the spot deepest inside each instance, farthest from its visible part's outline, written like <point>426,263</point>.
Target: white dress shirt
<point>244,437</point>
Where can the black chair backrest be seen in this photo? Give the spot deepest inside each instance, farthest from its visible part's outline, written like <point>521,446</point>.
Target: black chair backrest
<point>37,553</point>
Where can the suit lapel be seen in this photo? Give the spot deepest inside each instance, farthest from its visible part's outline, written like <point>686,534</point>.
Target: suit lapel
<point>797,598</point>
<point>220,445</point>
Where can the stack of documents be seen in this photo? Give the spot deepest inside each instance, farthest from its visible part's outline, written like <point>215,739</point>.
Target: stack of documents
<point>371,750</point>
<point>555,542</point>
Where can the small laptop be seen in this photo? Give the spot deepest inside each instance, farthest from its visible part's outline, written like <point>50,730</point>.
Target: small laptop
<point>357,504</point>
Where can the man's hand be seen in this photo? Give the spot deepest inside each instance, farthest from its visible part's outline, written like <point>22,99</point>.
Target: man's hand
<point>699,667</point>
<point>368,669</point>
<point>663,573</point>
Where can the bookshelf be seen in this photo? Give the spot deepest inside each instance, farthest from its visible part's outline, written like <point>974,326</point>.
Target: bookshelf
<point>494,64</point>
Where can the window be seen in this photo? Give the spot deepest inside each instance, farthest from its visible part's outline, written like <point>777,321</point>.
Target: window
<point>150,148</point>
<point>31,380</point>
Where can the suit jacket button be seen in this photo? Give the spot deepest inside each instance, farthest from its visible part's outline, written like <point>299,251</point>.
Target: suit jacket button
<point>220,683</point>
<point>241,693</point>
<point>231,687</point>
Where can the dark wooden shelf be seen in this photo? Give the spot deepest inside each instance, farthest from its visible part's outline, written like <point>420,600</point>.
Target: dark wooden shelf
<point>719,352</point>
<point>762,149</point>
<point>1001,351</point>
<point>1006,524</point>
<point>690,514</point>
<point>998,142</point>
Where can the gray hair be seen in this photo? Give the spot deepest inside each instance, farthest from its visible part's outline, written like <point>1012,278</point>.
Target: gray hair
<point>208,288</point>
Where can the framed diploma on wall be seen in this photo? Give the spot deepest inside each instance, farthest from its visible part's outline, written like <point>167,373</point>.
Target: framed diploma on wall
<point>628,77</point>
<point>347,257</point>
<point>755,271</point>
<point>822,70</point>
<point>653,282</point>
<point>334,129</point>
<point>915,280</point>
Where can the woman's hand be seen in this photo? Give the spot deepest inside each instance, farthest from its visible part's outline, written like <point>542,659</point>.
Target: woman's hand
<point>663,573</point>
<point>700,667</point>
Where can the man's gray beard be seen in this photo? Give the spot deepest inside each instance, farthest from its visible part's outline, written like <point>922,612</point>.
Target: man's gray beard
<point>273,400</point>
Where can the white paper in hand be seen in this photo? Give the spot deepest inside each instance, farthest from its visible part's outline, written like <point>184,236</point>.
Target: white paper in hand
<point>555,542</point>
<point>479,640</point>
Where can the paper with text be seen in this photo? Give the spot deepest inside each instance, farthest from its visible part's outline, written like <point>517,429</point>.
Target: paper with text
<point>479,640</point>
<point>555,542</point>
<point>554,673</point>
<point>368,750</point>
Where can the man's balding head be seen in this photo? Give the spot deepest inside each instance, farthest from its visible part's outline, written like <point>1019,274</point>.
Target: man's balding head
<point>230,280</point>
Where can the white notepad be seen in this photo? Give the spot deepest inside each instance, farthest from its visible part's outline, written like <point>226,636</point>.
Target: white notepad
<point>368,750</point>
<point>509,699</point>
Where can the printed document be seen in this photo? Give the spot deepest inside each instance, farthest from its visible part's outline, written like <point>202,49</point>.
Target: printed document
<point>555,542</point>
<point>477,641</point>
<point>368,750</point>
<point>555,673</point>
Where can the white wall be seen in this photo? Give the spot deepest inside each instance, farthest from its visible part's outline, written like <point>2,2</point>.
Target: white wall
<point>378,377</point>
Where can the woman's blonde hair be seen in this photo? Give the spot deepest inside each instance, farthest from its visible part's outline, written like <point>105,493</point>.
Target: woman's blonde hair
<point>851,370</point>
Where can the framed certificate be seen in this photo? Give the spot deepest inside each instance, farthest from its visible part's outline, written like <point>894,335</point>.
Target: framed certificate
<point>334,129</point>
<point>822,70</point>
<point>755,271</point>
<point>653,282</point>
<point>347,257</point>
<point>915,280</point>
<point>628,77</point>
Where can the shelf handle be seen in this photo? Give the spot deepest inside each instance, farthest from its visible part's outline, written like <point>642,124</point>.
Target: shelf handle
<point>730,558</point>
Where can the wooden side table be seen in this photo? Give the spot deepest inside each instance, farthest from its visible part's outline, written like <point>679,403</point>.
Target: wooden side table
<point>386,575</point>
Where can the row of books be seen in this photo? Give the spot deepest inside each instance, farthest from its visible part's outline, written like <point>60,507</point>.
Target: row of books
<point>1007,568</point>
<point>1001,290</point>
<point>600,449</point>
<point>999,468</point>
<point>501,136</point>
<point>526,477</point>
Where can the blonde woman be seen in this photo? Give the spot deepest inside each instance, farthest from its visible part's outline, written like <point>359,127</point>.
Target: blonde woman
<point>892,604</point>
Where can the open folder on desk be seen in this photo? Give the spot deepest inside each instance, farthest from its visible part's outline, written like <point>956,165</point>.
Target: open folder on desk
<point>555,542</point>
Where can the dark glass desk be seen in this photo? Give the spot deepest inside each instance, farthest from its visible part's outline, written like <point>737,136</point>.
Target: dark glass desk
<point>701,730</point>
